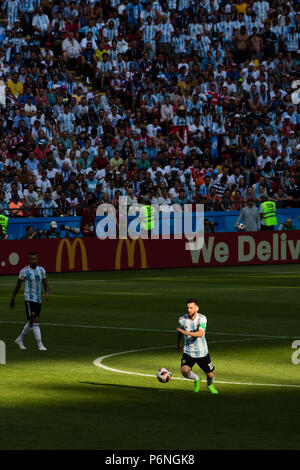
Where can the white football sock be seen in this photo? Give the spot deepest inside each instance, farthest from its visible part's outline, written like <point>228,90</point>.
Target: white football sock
<point>27,329</point>
<point>37,332</point>
<point>192,376</point>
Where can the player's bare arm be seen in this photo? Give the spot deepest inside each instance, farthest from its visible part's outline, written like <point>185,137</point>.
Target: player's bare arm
<point>196,334</point>
<point>46,287</point>
<point>15,293</point>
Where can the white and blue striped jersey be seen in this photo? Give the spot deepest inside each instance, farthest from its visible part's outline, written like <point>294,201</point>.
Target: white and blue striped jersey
<point>227,28</point>
<point>66,122</point>
<point>166,32</point>
<point>182,4</point>
<point>149,32</point>
<point>33,283</point>
<point>29,6</point>
<point>41,22</point>
<point>292,42</point>
<point>12,10</point>
<point>194,346</point>
<point>261,9</point>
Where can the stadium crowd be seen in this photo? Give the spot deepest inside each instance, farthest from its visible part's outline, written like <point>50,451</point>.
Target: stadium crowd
<point>178,101</point>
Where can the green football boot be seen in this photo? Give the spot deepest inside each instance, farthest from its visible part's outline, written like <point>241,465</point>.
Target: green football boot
<point>197,385</point>
<point>212,390</point>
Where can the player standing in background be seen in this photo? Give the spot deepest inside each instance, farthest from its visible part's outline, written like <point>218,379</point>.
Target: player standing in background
<point>195,350</point>
<point>34,276</point>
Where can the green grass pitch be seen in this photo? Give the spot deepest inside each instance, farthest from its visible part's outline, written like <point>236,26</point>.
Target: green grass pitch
<point>59,399</point>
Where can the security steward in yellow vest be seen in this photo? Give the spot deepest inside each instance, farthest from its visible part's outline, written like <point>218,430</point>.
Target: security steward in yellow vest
<point>3,225</point>
<point>268,214</point>
<point>147,223</point>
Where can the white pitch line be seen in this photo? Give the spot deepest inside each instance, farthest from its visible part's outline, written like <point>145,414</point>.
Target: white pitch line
<point>62,281</point>
<point>98,362</point>
<point>123,328</point>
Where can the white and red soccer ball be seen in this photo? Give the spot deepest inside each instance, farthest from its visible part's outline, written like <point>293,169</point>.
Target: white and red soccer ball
<point>163,375</point>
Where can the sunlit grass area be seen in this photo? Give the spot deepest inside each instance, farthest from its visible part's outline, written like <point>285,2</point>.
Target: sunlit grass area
<point>58,399</point>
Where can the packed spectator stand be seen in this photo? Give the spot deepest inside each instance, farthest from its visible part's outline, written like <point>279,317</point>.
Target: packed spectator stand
<point>175,101</point>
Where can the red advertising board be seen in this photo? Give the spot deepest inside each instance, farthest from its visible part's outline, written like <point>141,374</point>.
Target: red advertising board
<point>92,254</point>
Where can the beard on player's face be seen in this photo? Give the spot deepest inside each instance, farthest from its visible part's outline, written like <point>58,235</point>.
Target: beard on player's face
<point>33,262</point>
<point>192,311</point>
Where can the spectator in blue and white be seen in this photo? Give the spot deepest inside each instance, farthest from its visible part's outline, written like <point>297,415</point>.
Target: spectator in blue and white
<point>63,159</point>
<point>292,114</point>
<point>292,40</point>
<point>47,205</point>
<point>13,189</point>
<point>13,8</point>
<point>32,162</point>
<point>189,187</point>
<point>194,103</point>
<point>58,25</point>
<point>148,11</point>
<point>201,45</point>
<point>183,5</point>
<point>194,28</point>
<point>285,29</point>
<point>65,171</point>
<point>206,118</point>
<point>119,64</point>
<point>227,29</point>
<point>204,188</point>
<point>217,127</point>
<point>21,116</point>
<point>29,7</point>
<point>191,147</point>
<point>110,31</point>
<point>66,120</point>
<point>134,11</point>
<point>180,43</point>
<point>41,24</point>
<point>112,148</point>
<point>166,32</point>
<point>4,207</point>
<point>149,101</point>
<point>90,28</point>
<point>55,83</point>
<point>71,85</point>
<point>104,69</point>
<point>149,32</point>
<point>261,8</point>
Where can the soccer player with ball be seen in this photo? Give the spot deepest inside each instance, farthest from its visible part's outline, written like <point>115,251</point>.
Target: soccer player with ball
<point>193,327</point>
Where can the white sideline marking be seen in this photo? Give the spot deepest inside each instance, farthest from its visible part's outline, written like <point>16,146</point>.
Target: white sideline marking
<point>152,330</point>
<point>61,282</point>
<point>156,278</point>
<point>99,363</point>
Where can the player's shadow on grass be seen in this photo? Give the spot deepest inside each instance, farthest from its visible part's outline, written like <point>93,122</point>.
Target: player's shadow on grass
<point>130,387</point>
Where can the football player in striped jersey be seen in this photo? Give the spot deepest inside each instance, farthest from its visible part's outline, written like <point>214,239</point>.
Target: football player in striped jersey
<point>195,351</point>
<point>34,277</point>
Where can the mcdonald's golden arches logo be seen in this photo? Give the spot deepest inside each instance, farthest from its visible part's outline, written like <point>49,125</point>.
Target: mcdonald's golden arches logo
<point>130,246</point>
<point>71,250</point>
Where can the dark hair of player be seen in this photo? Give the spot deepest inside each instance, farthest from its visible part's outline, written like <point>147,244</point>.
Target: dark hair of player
<point>32,253</point>
<point>192,301</point>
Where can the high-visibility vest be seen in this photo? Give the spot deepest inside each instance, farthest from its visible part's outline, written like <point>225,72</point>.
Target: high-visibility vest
<point>269,213</point>
<point>14,206</point>
<point>148,218</point>
<point>3,223</point>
